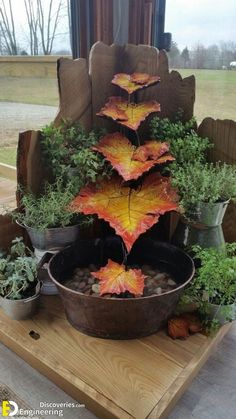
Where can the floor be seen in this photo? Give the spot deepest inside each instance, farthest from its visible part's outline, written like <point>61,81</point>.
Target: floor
<point>7,194</point>
<point>212,394</point>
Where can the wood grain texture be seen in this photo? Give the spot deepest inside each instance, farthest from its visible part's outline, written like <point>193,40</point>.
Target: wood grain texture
<point>31,172</point>
<point>223,134</point>
<point>74,91</point>
<point>9,230</point>
<point>173,92</point>
<point>115,379</point>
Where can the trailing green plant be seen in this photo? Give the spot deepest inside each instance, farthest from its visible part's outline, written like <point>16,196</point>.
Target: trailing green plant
<point>49,210</point>
<point>185,144</point>
<point>214,282</point>
<point>67,149</point>
<point>18,272</point>
<point>208,183</point>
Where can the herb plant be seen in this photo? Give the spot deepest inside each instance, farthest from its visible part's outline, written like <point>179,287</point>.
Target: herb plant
<point>208,183</point>
<point>185,144</point>
<point>214,282</point>
<point>48,210</point>
<point>67,149</point>
<point>165,130</point>
<point>18,272</point>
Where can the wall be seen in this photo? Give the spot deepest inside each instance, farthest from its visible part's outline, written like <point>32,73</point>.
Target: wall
<point>29,66</point>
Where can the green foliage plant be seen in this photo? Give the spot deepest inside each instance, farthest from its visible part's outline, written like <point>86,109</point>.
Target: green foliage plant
<point>48,210</point>
<point>18,272</point>
<point>204,183</point>
<point>185,144</point>
<point>67,149</point>
<point>214,282</point>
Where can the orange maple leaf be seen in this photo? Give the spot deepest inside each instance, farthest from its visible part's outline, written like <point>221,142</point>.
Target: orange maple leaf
<point>178,328</point>
<point>129,211</point>
<point>115,279</point>
<point>126,158</point>
<point>135,81</point>
<point>153,150</point>
<point>128,114</point>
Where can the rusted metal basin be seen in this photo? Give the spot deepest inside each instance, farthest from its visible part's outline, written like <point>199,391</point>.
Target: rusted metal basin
<point>120,318</point>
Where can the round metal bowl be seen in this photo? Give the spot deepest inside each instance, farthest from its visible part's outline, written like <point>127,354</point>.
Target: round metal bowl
<point>121,318</point>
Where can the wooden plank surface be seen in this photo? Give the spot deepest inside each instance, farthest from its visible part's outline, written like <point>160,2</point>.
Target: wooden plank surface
<point>115,379</point>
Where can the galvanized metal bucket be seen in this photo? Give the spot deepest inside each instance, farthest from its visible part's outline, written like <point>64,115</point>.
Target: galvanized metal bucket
<point>209,215</point>
<point>202,227</point>
<point>221,313</point>
<point>21,309</point>
<point>53,238</point>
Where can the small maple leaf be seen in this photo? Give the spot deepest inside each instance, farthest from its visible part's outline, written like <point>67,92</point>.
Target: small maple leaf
<point>115,279</point>
<point>178,328</point>
<point>128,114</point>
<point>135,81</point>
<point>129,211</point>
<point>130,161</point>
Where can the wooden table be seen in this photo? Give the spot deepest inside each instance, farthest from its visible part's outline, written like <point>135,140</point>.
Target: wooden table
<point>138,379</point>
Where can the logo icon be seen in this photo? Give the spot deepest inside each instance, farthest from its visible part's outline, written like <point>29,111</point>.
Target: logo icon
<point>9,408</point>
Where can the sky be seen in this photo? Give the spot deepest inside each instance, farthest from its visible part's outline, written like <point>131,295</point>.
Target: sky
<point>190,22</point>
<point>201,21</point>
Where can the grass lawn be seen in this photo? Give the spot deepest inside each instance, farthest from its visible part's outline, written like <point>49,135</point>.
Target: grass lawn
<point>8,155</point>
<point>40,91</point>
<point>215,93</point>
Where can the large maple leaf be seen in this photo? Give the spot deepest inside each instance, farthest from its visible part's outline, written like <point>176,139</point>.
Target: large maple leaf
<point>129,211</point>
<point>128,114</point>
<point>130,161</point>
<point>115,279</point>
<point>135,81</point>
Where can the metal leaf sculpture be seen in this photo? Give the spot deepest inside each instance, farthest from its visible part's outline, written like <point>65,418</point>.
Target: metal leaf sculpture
<point>130,161</point>
<point>128,114</point>
<point>129,211</point>
<point>135,81</point>
<point>115,279</point>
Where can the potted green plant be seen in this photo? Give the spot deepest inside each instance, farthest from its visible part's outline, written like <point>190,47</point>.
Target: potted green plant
<point>205,190</point>
<point>50,225</point>
<point>19,286</point>
<point>213,289</point>
<point>133,284</point>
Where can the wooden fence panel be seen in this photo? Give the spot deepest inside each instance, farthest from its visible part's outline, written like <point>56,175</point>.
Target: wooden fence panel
<point>9,230</point>
<point>173,92</point>
<point>223,134</point>
<point>31,172</point>
<point>74,91</point>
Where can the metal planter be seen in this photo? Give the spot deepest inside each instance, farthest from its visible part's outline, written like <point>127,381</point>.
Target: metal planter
<point>120,318</point>
<point>53,238</point>
<point>21,309</point>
